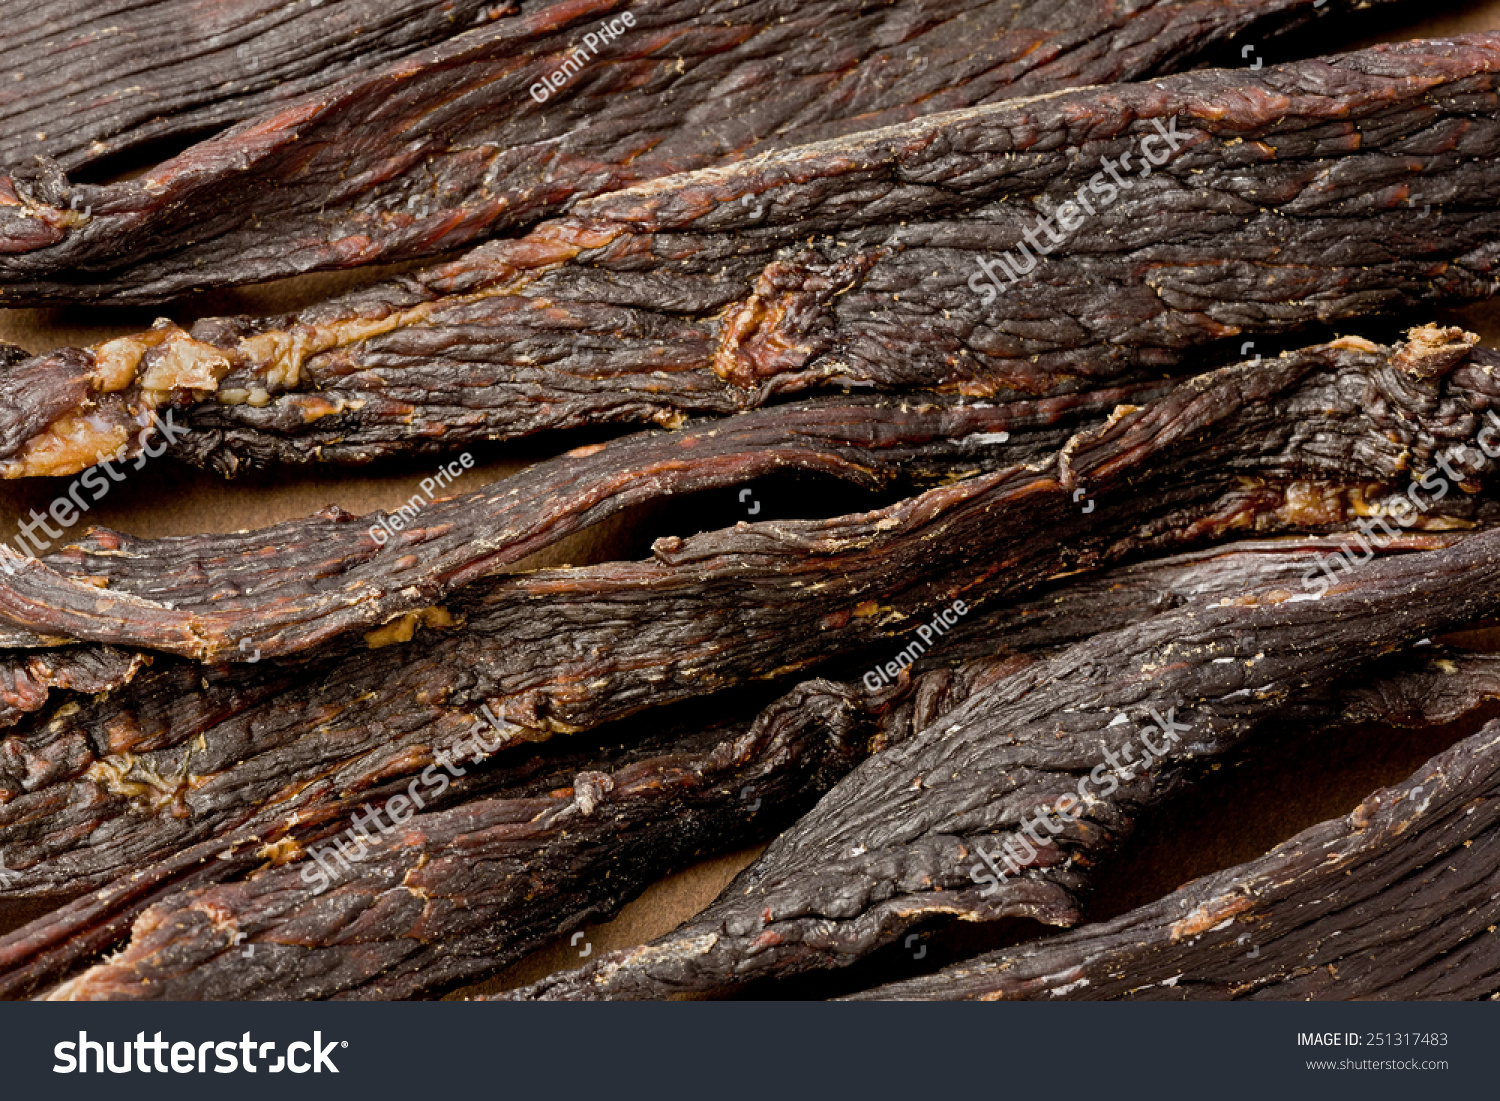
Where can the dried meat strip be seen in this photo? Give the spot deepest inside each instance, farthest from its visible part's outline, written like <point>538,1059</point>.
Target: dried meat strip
<point>494,128</point>
<point>1071,609</point>
<point>446,901</point>
<point>88,80</point>
<point>294,585</point>
<point>28,680</point>
<point>1048,769</point>
<point>452,895</point>
<point>57,943</point>
<point>1398,900</point>
<point>91,789</point>
<point>1220,451</point>
<point>1325,190</point>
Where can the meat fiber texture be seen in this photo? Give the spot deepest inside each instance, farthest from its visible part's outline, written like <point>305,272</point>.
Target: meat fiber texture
<point>1349,413</point>
<point>178,501</point>
<point>87,81</point>
<point>490,129</point>
<point>1257,202</point>
<point>1396,901</point>
<point>633,808</point>
<point>1080,745</point>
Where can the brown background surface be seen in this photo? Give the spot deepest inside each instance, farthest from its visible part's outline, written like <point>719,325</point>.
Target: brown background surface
<point>1291,784</point>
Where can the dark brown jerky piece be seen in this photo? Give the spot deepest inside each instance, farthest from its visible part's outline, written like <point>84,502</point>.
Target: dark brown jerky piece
<point>181,594</point>
<point>1186,462</point>
<point>185,946</point>
<point>27,680</point>
<point>92,789</point>
<point>88,80</point>
<point>453,895</point>
<point>438,149</point>
<point>96,788</point>
<point>899,840</point>
<point>1407,691</point>
<point>55,944</point>
<point>1072,609</point>
<point>1296,194</point>
<point>1398,900</point>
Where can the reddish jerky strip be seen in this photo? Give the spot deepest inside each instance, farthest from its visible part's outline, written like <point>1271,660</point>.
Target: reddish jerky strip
<point>95,788</point>
<point>1296,194</point>
<point>354,941</point>
<point>354,572</point>
<point>503,125</point>
<point>54,944</point>
<point>454,895</point>
<point>898,840</point>
<point>1186,463</point>
<point>27,680</point>
<point>1397,901</point>
<point>1070,610</point>
<point>91,789</point>
<point>85,80</point>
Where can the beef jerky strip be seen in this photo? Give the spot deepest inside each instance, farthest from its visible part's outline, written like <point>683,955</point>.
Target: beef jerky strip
<point>898,840</point>
<point>1225,571</point>
<point>874,441</point>
<point>1384,413</point>
<point>1075,607</point>
<point>433,151</point>
<point>352,572</point>
<point>856,264</point>
<point>53,945</point>
<point>86,80</point>
<point>1398,900</point>
<point>454,895</point>
<point>96,788</point>
<point>27,680</point>
<point>180,950</point>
